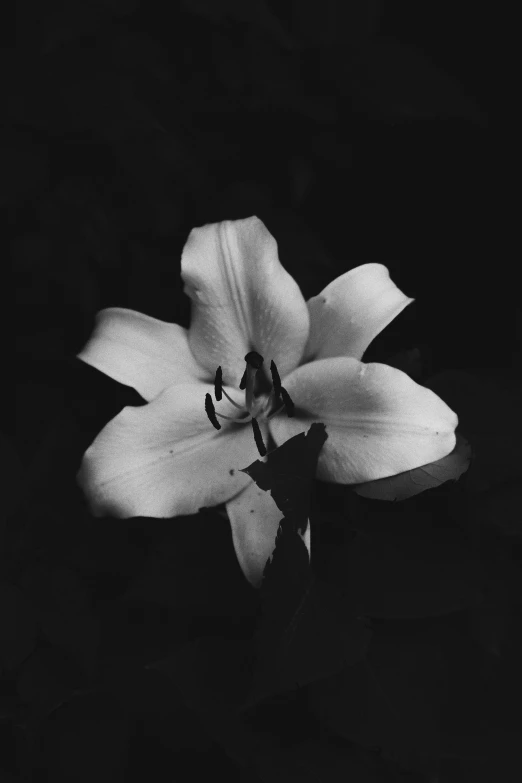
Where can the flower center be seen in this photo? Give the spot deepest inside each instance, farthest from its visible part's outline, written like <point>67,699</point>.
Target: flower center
<point>255,407</point>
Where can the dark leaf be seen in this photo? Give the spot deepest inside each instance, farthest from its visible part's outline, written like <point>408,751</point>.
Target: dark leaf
<point>88,739</point>
<point>490,620</point>
<point>64,613</point>
<point>412,482</point>
<point>212,675</point>
<point>256,13</point>
<point>193,570</point>
<point>307,630</point>
<point>483,714</point>
<point>17,627</point>
<point>392,699</point>
<point>158,703</point>
<point>289,471</point>
<point>210,672</point>
<point>71,20</point>
<point>44,683</point>
<point>490,414</point>
<point>322,762</point>
<point>429,692</point>
<point>323,636</point>
<point>328,23</point>
<point>501,507</point>
<point>408,576</point>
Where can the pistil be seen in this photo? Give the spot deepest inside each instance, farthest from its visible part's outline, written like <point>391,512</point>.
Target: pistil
<point>254,363</point>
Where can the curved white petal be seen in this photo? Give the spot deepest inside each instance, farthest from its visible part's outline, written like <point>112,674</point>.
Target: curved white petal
<point>351,311</point>
<point>141,351</point>
<point>242,299</point>
<point>254,520</point>
<point>378,420</point>
<point>165,458</point>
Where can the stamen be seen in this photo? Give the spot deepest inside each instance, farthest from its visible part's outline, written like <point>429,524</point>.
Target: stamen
<point>211,413</point>
<point>240,419</point>
<point>274,413</point>
<point>254,407</point>
<point>243,419</point>
<point>219,390</point>
<point>239,407</point>
<point>289,405</point>
<point>258,438</point>
<point>276,380</point>
<point>218,383</point>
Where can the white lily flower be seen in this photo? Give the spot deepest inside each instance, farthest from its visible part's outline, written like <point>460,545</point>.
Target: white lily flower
<point>165,459</point>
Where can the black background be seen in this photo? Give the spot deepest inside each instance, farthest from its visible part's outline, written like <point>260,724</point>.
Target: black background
<point>357,132</point>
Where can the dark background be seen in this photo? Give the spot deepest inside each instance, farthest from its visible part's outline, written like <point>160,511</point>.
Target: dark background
<point>357,132</point>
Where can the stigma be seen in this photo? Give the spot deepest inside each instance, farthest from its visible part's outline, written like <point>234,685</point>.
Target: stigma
<point>254,407</point>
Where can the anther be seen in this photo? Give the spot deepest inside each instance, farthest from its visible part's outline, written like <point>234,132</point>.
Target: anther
<point>276,380</point>
<point>258,438</point>
<point>218,384</point>
<point>289,405</point>
<point>279,392</point>
<point>211,413</point>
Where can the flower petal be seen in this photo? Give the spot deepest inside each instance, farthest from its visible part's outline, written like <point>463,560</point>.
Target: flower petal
<point>141,352</point>
<point>378,420</point>
<point>165,459</point>
<point>351,311</point>
<point>242,299</point>
<point>254,520</point>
